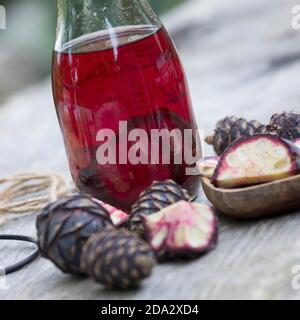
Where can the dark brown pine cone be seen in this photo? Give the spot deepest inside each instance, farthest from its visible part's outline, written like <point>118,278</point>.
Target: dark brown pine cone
<point>159,195</point>
<point>286,125</point>
<point>64,226</point>
<point>117,258</point>
<point>231,129</point>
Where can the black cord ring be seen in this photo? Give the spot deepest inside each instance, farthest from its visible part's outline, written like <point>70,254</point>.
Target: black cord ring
<point>21,264</point>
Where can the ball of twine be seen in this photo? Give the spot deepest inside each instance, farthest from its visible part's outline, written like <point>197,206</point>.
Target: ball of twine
<point>30,192</point>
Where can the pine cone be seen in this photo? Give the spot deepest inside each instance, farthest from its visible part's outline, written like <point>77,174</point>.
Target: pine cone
<point>286,125</point>
<point>182,230</point>
<point>117,258</point>
<point>159,195</point>
<point>231,129</point>
<point>64,226</point>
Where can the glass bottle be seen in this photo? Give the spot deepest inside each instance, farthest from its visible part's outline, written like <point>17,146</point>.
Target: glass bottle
<point>115,70</point>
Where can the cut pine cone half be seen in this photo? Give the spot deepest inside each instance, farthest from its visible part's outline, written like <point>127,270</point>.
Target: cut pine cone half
<point>207,166</point>
<point>258,159</point>
<point>118,217</point>
<point>182,230</point>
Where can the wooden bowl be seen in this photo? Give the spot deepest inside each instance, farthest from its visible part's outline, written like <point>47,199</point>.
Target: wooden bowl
<point>256,201</point>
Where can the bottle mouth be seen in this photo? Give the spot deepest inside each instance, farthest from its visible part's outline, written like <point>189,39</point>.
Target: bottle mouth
<point>107,39</point>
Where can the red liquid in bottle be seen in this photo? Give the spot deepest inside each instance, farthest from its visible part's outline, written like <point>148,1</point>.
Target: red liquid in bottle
<point>132,75</point>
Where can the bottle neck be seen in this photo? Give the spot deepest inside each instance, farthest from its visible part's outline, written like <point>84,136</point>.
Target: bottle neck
<point>81,17</point>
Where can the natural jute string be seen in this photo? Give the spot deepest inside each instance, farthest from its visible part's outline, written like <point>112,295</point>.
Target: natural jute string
<point>30,192</point>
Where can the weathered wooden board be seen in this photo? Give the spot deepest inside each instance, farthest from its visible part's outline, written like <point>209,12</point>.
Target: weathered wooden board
<point>242,57</point>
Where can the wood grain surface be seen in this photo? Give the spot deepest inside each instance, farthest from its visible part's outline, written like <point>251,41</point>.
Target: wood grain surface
<point>241,57</point>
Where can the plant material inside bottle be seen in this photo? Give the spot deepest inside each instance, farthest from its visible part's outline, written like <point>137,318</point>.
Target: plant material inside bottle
<point>130,74</point>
